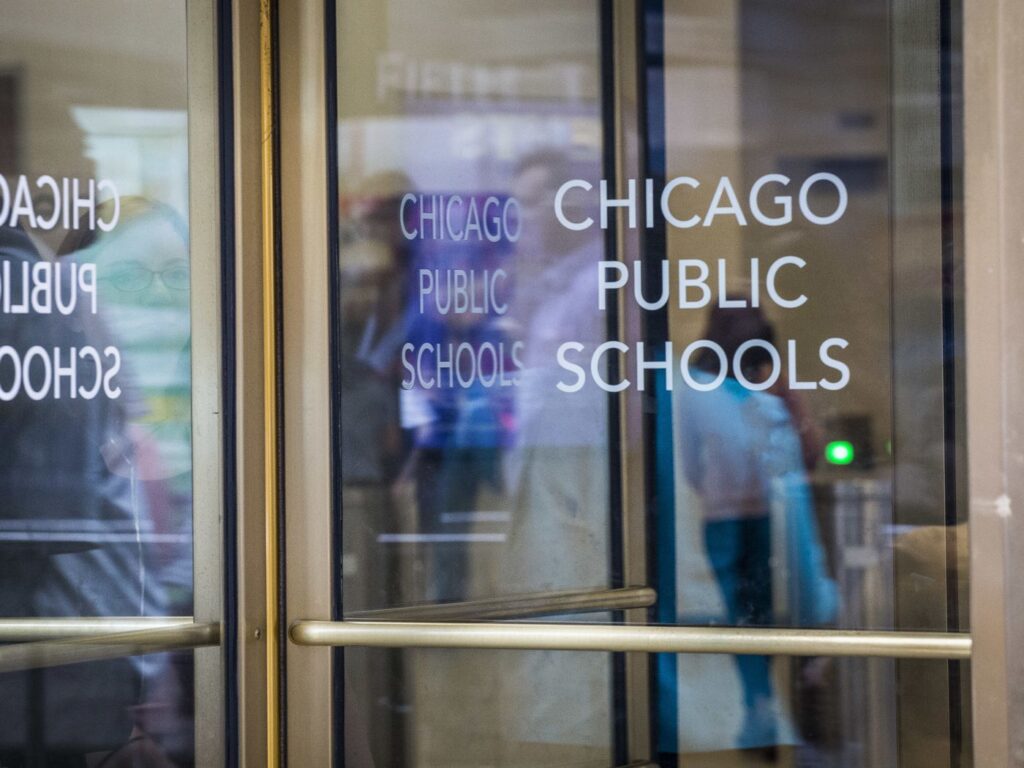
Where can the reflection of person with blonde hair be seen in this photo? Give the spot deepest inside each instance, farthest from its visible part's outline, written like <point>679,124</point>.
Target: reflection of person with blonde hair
<point>73,528</point>
<point>143,295</point>
<point>143,298</point>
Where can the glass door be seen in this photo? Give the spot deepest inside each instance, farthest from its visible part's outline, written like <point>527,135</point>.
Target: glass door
<point>452,383</point>
<point>623,359</point>
<point>111,476</point>
<point>468,489</point>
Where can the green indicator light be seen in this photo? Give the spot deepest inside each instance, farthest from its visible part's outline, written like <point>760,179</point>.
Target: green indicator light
<point>839,452</point>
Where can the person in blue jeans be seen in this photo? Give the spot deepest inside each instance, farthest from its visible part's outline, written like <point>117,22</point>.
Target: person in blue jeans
<point>744,454</point>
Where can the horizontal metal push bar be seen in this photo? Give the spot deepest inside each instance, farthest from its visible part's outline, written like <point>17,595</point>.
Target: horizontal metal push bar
<point>632,638</point>
<point>564,603</point>
<point>31,630</point>
<point>108,644</point>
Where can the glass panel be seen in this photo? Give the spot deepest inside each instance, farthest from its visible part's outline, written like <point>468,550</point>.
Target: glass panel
<point>816,481</point>
<point>668,289</point>
<point>95,380</point>
<point>452,273</point>
<point>95,713</point>
<point>461,477</point>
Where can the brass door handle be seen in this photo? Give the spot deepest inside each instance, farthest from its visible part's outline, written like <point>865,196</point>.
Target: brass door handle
<point>633,638</point>
<point>35,629</point>
<point>558,603</point>
<point>100,643</point>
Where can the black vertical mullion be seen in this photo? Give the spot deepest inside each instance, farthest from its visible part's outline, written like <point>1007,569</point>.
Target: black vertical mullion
<point>334,341</point>
<point>226,153</point>
<point>279,393</point>
<point>950,85</point>
<point>658,483</point>
<point>608,74</point>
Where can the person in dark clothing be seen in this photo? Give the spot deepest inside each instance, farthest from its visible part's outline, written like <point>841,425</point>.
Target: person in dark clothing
<point>71,527</point>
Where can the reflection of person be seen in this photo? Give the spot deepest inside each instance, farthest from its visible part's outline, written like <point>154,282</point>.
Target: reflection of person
<point>458,431</point>
<point>370,294</point>
<point>743,458</point>
<point>143,295</point>
<point>557,468</point>
<point>71,529</point>
<point>555,301</point>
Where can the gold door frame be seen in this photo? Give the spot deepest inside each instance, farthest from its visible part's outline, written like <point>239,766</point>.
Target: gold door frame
<point>994,228</point>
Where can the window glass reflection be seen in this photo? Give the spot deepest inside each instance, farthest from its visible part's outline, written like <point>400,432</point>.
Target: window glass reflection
<point>95,379</point>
